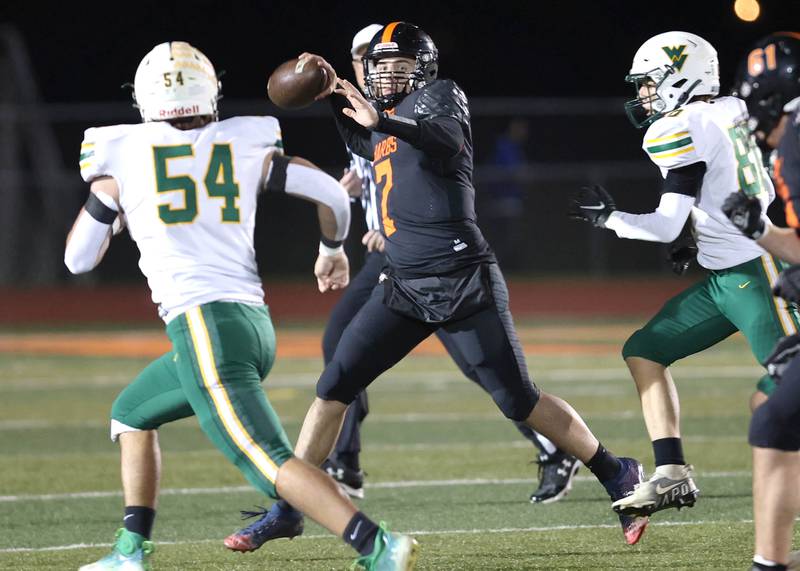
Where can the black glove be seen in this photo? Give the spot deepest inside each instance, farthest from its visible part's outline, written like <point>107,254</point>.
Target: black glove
<point>592,204</point>
<point>682,252</point>
<point>788,285</point>
<point>745,213</point>
<point>783,353</point>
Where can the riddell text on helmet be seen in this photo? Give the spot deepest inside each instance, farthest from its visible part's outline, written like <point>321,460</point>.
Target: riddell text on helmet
<point>180,112</point>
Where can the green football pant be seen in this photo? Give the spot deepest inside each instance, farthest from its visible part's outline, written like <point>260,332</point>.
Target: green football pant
<point>220,353</point>
<point>737,299</point>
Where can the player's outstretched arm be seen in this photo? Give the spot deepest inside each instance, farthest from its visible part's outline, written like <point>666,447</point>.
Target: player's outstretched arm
<point>301,178</point>
<point>97,221</point>
<point>681,186</point>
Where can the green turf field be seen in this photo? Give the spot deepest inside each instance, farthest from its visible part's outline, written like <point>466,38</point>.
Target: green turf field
<point>442,464</point>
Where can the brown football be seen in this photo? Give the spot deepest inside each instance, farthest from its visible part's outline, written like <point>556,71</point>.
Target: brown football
<point>295,84</point>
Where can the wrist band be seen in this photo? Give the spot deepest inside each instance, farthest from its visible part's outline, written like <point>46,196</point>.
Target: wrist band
<point>329,251</point>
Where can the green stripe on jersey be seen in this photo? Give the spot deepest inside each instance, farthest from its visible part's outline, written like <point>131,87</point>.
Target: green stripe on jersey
<point>86,155</point>
<point>669,146</point>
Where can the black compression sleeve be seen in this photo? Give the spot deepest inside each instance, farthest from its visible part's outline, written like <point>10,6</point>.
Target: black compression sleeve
<point>685,180</point>
<point>440,137</point>
<point>277,174</point>
<point>357,138</point>
<point>99,211</point>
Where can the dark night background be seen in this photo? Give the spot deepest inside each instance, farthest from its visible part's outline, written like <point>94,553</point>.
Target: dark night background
<point>562,62</point>
<point>83,51</point>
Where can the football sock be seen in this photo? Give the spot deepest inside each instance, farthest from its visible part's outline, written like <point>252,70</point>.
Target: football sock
<point>360,534</point>
<point>668,451</point>
<point>349,459</point>
<point>286,508</point>
<point>139,519</point>
<point>604,464</point>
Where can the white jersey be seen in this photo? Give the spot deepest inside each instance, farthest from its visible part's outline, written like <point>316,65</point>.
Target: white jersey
<point>714,132</point>
<point>189,198</point>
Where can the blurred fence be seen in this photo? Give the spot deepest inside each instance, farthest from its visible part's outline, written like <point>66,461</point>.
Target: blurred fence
<point>531,153</point>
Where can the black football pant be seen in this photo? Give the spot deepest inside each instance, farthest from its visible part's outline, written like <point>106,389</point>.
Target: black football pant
<point>776,423</point>
<point>490,352</point>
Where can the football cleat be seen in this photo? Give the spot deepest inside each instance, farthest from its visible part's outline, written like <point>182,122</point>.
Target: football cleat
<point>556,472</point>
<point>273,524</point>
<point>391,552</point>
<point>349,480</point>
<point>131,553</point>
<point>630,476</point>
<point>668,487</point>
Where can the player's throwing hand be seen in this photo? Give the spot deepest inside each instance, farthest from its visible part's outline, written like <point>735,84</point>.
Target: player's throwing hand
<point>362,112</point>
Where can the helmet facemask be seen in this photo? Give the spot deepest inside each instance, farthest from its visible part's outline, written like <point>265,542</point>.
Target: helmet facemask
<point>387,87</point>
<point>642,111</point>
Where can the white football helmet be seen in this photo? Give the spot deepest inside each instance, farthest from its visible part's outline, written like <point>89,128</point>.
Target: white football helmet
<point>680,66</point>
<point>175,80</point>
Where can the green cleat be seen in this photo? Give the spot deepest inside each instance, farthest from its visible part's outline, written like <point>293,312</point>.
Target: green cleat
<point>392,552</point>
<point>131,553</point>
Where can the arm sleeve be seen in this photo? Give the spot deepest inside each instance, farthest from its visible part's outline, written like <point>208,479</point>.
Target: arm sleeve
<point>356,137</point>
<point>440,137</point>
<point>315,185</point>
<point>663,225</point>
<point>88,237</point>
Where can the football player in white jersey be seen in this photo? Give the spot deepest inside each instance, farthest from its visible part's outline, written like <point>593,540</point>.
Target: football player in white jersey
<point>187,185</point>
<point>702,146</point>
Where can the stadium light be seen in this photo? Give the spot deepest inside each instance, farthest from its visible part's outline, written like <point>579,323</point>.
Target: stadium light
<point>747,10</point>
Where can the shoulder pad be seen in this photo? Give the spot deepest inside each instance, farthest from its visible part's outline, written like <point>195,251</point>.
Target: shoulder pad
<point>442,98</point>
<point>94,158</point>
<point>262,130</point>
<point>668,142</point>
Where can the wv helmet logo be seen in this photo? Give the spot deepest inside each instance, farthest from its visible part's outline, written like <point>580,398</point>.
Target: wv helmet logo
<point>675,53</point>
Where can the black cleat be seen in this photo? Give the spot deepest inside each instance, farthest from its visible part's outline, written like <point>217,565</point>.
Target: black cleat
<point>556,472</point>
<point>350,480</point>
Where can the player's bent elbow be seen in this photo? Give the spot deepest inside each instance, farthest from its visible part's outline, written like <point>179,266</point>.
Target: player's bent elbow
<point>76,266</point>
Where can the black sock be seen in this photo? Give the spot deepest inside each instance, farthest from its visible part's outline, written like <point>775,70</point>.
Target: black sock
<point>360,534</point>
<point>668,451</point>
<point>775,567</point>
<point>604,464</point>
<point>139,519</point>
<point>349,459</point>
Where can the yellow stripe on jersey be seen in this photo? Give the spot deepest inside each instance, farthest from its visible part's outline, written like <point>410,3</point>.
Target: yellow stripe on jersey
<point>673,153</point>
<point>666,138</point>
<point>86,145</point>
<point>225,410</point>
<point>787,323</point>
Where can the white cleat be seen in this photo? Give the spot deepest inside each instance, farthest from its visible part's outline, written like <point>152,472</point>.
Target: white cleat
<point>670,486</point>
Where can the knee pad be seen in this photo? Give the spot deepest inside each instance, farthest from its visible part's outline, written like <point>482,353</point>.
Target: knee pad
<point>516,405</point>
<point>119,422</point>
<point>333,386</point>
<point>645,344</point>
<point>768,429</point>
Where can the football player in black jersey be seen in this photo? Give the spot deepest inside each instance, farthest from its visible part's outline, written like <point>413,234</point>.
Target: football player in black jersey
<point>556,468</point>
<point>440,272</point>
<point>769,82</point>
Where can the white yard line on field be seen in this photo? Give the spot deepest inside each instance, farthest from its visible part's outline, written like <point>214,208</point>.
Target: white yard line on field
<point>426,378</point>
<point>421,532</point>
<point>371,485</point>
